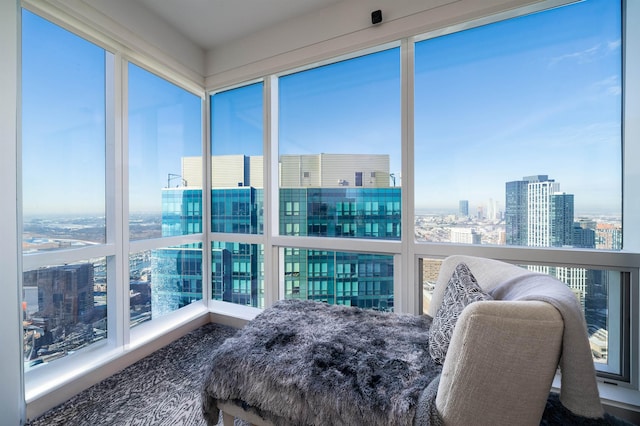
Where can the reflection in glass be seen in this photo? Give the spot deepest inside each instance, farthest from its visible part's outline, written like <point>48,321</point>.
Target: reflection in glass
<point>165,135</point>
<point>341,212</point>
<point>64,309</point>
<point>237,273</point>
<point>518,131</point>
<point>63,137</point>
<point>164,280</point>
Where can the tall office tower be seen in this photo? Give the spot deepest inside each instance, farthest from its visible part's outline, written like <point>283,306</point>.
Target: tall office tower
<point>515,213</point>
<point>335,195</point>
<point>493,210</point>
<point>65,293</point>
<point>339,195</point>
<point>539,212</point>
<point>177,279</point>
<point>549,223</point>
<point>463,208</point>
<point>561,217</point>
<point>64,316</point>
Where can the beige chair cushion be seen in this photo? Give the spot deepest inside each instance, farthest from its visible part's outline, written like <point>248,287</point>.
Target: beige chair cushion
<point>502,360</point>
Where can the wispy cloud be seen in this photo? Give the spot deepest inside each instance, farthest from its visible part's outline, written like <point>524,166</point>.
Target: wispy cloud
<point>582,56</point>
<point>589,54</point>
<point>610,85</point>
<point>614,45</point>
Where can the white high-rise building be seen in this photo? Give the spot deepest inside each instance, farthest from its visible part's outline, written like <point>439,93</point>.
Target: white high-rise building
<point>465,236</point>
<point>539,220</point>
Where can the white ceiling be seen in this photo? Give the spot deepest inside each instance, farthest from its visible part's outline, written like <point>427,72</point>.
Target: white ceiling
<point>209,23</point>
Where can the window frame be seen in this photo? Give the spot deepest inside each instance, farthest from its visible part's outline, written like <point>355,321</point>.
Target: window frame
<point>42,380</point>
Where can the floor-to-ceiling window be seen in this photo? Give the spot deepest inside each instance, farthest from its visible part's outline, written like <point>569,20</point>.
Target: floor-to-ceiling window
<point>339,164</point>
<point>237,195</point>
<point>165,195</point>
<point>520,122</point>
<point>112,230</point>
<point>516,140</point>
<point>65,92</point>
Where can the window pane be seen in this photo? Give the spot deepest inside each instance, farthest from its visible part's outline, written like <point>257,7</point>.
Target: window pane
<point>237,273</point>
<point>339,140</point>
<point>600,294</point>
<point>164,280</point>
<point>237,162</point>
<point>64,309</point>
<point>352,279</point>
<point>63,137</point>
<point>518,131</point>
<point>165,149</point>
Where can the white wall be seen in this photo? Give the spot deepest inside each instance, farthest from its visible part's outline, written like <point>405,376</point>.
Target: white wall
<point>11,393</point>
<point>131,28</point>
<point>339,29</point>
<point>150,28</point>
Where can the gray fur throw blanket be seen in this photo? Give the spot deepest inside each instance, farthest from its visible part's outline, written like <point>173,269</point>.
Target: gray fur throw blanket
<point>310,363</point>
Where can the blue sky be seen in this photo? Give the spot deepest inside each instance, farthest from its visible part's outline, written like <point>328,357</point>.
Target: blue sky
<point>63,132</point>
<point>164,126</point>
<point>534,95</point>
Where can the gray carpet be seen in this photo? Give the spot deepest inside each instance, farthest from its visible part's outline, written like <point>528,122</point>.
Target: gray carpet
<point>164,389</point>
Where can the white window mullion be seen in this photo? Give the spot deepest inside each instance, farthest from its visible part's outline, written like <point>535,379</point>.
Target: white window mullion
<point>118,290</point>
<point>206,202</point>
<point>631,175</point>
<point>406,289</point>
<point>272,284</point>
<point>11,335</point>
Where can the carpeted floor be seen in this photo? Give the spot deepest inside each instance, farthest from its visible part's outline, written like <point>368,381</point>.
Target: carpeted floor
<point>164,388</point>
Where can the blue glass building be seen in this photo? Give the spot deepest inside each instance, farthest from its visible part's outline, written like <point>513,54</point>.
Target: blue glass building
<point>237,269</point>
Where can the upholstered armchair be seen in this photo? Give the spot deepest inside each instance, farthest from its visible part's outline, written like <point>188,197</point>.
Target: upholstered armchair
<point>503,355</point>
<point>501,359</point>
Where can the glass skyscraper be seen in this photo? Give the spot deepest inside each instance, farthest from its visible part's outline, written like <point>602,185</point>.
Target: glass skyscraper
<point>358,279</point>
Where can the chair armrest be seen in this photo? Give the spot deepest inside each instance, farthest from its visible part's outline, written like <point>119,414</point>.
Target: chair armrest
<point>500,363</point>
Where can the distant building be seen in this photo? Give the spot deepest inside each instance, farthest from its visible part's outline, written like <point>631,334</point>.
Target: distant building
<point>549,222</point>
<point>65,293</point>
<point>493,210</point>
<point>516,213</point>
<point>537,214</point>
<point>463,208</point>
<point>561,220</point>
<point>59,315</point>
<point>540,212</point>
<point>465,236</point>
<point>583,237</point>
<point>608,236</point>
